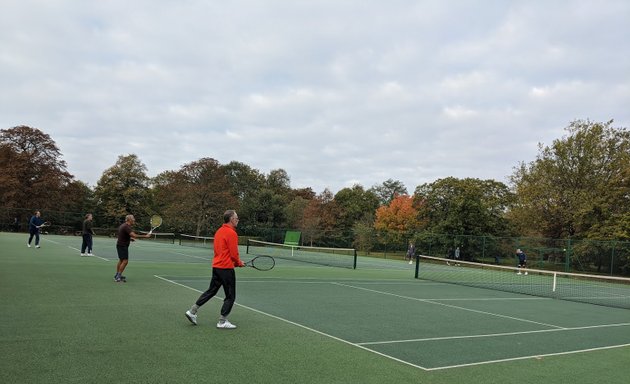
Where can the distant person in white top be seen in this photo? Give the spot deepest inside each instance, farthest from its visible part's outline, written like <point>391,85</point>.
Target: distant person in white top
<point>411,252</point>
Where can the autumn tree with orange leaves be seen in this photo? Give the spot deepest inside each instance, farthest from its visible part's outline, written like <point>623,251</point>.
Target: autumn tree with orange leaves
<point>398,219</point>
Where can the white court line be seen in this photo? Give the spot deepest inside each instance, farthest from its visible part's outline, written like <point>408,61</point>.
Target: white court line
<point>495,334</point>
<point>276,280</point>
<point>93,255</point>
<point>191,256</point>
<point>529,357</point>
<point>305,327</point>
<point>76,249</point>
<point>361,346</point>
<point>449,305</point>
<point>52,241</point>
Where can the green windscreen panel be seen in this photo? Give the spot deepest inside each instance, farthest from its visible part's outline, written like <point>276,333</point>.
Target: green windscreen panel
<point>292,237</point>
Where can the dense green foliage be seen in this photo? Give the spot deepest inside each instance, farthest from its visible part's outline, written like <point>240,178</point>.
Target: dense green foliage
<point>578,187</point>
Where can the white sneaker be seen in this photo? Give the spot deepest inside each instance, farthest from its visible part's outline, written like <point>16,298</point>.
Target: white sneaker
<point>518,273</point>
<point>90,254</point>
<point>192,318</point>
<point>83,254</point>
<point>28,245</point>
<point>525,273</point>
<point>410,262</point>
<point>226,325</point>
<point>37,246</point>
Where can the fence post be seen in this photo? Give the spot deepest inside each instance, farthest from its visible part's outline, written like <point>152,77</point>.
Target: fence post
<point>567,262</point>
<point>612,258</point>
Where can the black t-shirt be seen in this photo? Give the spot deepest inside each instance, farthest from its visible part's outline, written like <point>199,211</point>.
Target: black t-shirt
<point>124,235</point>
<point>87,227</point>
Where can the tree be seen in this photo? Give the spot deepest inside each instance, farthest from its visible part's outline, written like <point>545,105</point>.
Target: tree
<point>169,198</point>
<point>364,233</point>
<point>269,202</point>
<point>579,186</point>
<point>355,204</point>
<point>32,173</point>
<point>124,189</point>
<point>399,219</point>
<point>245,182</point>
<point>195,197</point>
<point>464,206</point>
<point>294,212</point>
<point>388,190</point>
<point>320,219</point>
<point>279,180</point>
<point>80,197</point>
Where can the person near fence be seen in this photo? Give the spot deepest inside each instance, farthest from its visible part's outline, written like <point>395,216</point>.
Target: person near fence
<point>87,234</point>
<point>226,258</point>
<point>450,255</point>
<point>411,252</point>
<point>522,261</point>
<point>457,254</point>
<point>34,225</point>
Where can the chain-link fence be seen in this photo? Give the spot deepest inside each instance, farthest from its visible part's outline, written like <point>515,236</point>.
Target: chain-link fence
<point>568,255</point>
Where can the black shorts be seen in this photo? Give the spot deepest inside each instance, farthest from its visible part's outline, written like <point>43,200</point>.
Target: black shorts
<point>123,252</point>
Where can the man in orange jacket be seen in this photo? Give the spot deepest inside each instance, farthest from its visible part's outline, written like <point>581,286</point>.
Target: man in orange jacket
<point>226,258</point>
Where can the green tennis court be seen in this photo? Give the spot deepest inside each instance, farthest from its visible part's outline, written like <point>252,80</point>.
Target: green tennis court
<point>62,315</point>
<point>432,326</point>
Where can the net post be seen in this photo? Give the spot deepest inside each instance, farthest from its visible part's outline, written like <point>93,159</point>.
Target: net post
<point>555,281</point>
<point>247,248</point>
<point>354,263</point>
<point>417,272</point>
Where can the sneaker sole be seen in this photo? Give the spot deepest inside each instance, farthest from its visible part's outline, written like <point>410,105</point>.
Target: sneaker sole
<point>190,319</point>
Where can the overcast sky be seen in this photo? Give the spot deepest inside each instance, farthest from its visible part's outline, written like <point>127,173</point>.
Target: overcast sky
<point>334,92</point>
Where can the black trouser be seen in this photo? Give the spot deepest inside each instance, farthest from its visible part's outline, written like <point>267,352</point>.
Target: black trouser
<point>87,243</point>
<point>227,279</point>
<point>36,234</point>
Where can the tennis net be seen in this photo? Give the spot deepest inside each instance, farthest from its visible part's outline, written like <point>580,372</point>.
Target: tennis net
<point>196,241</point>
<point>601,290</point>
<point>333,257</point>
<point>163,237</point>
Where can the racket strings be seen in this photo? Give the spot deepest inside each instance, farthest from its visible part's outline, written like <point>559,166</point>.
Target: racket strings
<point>156,221</point>
<point>262,263</point>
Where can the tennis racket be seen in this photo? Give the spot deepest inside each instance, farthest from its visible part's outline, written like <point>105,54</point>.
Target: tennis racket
<point>261,263</point>
<point>45,224</point>
<point>156,221</point>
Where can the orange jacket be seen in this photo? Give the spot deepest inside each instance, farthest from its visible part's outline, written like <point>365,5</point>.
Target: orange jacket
<point>226,248</point>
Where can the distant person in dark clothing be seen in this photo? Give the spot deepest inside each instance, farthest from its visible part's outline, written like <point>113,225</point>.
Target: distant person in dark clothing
<point>34,224</point>
<point>87,234</point>
<point>125,236</point>
<point>522,261</point>
<point>450,255</point>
